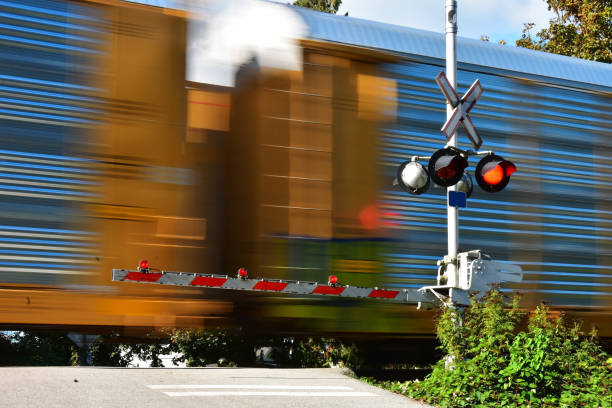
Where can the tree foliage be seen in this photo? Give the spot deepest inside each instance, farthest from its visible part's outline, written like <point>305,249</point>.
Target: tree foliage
<point>34,348</point>
<point>194,347</point>
<point>326,6</point>
<point>580,28</point>
<point>107,351</point>
<point>199,347</point>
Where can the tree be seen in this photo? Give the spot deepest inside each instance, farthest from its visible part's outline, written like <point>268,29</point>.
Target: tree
<point>581,28</point>
<point>36,349</point>
<point>199,347</point>
<point>326,6</point>
<point>107,351</point>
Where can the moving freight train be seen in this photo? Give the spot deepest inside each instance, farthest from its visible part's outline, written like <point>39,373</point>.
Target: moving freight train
<point>120,142</point>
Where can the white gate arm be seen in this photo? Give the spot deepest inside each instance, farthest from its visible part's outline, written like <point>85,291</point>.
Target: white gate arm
<point>476,273</point>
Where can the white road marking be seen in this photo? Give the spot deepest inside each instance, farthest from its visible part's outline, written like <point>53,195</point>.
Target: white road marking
<point>268,393</point>
<point>248,386</point>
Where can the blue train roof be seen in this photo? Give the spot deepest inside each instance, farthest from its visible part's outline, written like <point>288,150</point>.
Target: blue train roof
<point>421,43</point>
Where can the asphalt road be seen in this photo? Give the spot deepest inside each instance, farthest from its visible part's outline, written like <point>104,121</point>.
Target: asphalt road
<point>47,387</point>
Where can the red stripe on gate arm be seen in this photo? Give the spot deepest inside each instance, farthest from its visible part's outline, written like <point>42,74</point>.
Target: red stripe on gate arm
<point>387,294</point>
<point>208,281</point>
<point>264,285</point>
<point>328,290</point>
<point>142,276</point>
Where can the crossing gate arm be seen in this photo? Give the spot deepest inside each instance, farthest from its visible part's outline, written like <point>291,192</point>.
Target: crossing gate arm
<point>408,296</point>
<point>475,274</point>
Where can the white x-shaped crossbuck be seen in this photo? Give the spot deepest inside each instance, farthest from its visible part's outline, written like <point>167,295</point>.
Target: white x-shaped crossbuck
<point>461,109</point>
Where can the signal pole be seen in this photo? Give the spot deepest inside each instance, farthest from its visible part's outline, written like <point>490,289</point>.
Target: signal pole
<point>451,74</point>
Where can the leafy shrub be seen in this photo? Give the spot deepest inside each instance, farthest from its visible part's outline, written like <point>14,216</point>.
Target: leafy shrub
<point>323,352</point>
<point>490,363</point>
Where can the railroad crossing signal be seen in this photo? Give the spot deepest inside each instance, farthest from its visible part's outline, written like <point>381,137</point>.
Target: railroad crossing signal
<point>493,173</point>
<point>447,168</point>
<point>461,109</point>
<point>447,165</point>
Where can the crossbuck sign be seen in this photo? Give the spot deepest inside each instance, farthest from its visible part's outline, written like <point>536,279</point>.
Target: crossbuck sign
<point>461,109</point>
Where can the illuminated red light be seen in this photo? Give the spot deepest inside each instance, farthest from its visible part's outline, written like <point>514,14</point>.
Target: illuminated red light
<point>495,175</point>
<point>143,265</point>
<point>509,168</point>
<point>333,280</point>
<point>242,272</point>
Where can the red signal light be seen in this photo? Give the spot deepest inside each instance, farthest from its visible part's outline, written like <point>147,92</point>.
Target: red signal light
<point>451,169</point>
<point>446,167</point>
<point>493,173</point>
<point>333,280</point>
<point>143,265</point>
<point>509,168</point>
<point>242,273</point>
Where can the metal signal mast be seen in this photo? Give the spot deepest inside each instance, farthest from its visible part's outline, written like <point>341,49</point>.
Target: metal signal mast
<point>447,166</point>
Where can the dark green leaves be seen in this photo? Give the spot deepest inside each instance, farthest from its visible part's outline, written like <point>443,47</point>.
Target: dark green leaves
<point>326,6</point>
<point>581,28</point>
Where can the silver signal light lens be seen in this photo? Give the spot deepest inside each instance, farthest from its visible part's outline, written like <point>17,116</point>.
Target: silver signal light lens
<point>465,185</point>
<point>412,177</point>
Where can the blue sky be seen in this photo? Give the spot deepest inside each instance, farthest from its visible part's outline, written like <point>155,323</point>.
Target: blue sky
<point>500,20</point>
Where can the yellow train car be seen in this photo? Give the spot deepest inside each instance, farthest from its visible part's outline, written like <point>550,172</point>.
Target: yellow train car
<point>105,162</point>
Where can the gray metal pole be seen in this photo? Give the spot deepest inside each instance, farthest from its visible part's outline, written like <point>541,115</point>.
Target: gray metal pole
<point>451,74</point>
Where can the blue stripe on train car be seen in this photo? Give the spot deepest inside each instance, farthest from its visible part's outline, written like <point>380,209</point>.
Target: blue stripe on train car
<point>48,104</point>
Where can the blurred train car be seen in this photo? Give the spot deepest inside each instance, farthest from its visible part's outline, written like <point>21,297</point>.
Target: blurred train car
<point>324,144</point>
<point>100,167</point>
<point>111,155</point>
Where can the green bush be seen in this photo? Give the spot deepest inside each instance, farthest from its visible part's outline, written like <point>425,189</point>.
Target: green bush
<point>490,363</point>
<point>321,352</point>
